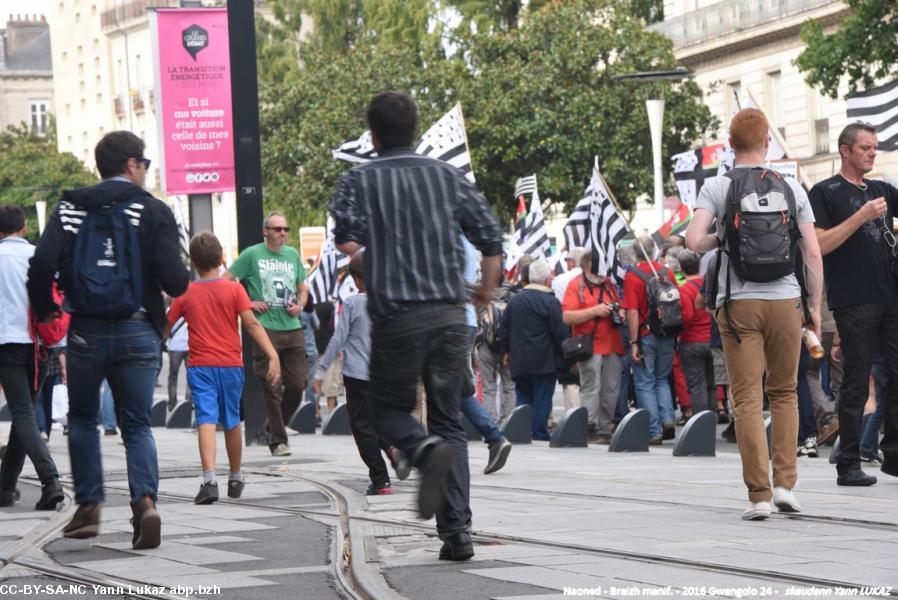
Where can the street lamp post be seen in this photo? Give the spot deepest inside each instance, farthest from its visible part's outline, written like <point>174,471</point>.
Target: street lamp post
<point>655,108</point>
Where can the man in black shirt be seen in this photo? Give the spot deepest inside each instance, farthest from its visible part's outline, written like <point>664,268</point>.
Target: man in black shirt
<point>854,228</point>
<point>408,211</point>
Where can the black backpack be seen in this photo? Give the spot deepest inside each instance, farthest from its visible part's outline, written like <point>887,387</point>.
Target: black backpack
<point>490,322</point>
<point>106,277</point>
<point>665,311</point>
<point>760,226</point>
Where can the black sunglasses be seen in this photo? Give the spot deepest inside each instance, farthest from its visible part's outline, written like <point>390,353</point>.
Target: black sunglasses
<point>144,161</point>
<point>279,229</point>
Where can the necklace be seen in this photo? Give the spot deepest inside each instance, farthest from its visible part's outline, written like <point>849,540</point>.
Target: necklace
<point>861,186</point>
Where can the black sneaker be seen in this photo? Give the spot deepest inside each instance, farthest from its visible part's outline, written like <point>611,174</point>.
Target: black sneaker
<point>437,458</point>
<point>235,488</point>
<point>208,493</point>
<point>871,457</point>
<point>458,546</point>
<point>400,463</point>
<point>668,431</point>
<point>10,497</point>
<point>51,495</point>
<point>498,455</point>
<point>729,434</point>
<point>379,489</point>
<point>856,478</point>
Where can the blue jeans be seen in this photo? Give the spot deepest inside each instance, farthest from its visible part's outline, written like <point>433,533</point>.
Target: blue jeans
<point>126,353</point>
<point>650,380</point>
<point>537,391</point>
<point>870,434</point>
<point>107,407</point>
<point>481,420</point>
<point>313,367</point>
<point>807,423</point>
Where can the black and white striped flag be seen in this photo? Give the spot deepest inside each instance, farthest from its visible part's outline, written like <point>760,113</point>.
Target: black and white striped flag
<point>183,235</point>
<point>532,237</point>
<point>596,224</point>
<point>879,108</point>
<point>324,280</point>
<point>356,151</point>
<point>445,140</point>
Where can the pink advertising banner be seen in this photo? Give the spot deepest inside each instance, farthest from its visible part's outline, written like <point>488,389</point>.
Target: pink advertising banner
<point>194,83</point>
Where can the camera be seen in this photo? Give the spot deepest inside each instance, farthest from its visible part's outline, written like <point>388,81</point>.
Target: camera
<point>616,319</point>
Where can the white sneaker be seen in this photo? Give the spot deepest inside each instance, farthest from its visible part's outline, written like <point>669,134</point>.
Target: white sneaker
<point>785,500</point>
<point>283,450</point>
<point>758,511</point>
<point>291,431</point>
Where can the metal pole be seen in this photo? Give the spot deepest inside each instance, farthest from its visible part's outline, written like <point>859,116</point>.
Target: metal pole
<point>656,121</point>
<point>248,176</point>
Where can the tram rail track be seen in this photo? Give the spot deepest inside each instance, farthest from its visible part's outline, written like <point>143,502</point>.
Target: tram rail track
<point>358,582</point>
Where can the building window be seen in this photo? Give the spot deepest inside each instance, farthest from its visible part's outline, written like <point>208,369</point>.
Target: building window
<point>39,117</point>
<point>821,136</point>
<point>776,114</point>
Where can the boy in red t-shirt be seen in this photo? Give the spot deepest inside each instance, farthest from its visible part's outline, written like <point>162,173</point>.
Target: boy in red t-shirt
<point>211,306</point>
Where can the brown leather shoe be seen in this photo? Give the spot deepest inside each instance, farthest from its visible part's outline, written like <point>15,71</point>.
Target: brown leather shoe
<point>85,524</point>
<point>828,432</point>
<point>147,524</point>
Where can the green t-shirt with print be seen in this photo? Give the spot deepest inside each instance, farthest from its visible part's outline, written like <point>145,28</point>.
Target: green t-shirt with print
<point>272,277</point>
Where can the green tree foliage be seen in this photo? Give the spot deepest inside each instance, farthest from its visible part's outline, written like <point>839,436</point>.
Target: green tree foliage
<point>543,101</point>
<point>864,48</point>
<point>538,97</point>
<point>32,169</point>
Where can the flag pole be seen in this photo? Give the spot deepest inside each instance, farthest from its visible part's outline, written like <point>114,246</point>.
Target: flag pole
<point>782,142</point>
<point>610,193</point>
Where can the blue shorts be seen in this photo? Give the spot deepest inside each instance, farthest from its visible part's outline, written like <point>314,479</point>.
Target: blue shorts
<point>216,394</point>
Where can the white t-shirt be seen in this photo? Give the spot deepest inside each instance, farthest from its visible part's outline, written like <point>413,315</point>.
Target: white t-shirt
<point>712,198</point>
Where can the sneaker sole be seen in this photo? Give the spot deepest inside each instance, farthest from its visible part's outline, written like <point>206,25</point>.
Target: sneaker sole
<point>82,533</point>
<point>756,516</point>
<point>431,493</point>
<point>205,501</point>
<point>500,460</point>
<point>785,507</point>
<point>449,555</point>
<point>150,531</point>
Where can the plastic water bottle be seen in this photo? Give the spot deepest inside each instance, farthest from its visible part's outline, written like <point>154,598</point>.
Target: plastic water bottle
<point>815,348</point>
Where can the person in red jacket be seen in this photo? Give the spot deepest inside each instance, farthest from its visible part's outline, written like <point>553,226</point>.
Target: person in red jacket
<point>695,337</point>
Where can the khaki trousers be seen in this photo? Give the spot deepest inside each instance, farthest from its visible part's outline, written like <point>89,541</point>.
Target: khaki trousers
<point>770,331</point>
<point>282,400</point>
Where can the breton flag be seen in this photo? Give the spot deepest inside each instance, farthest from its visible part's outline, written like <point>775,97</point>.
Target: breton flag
<point>879,108</point>
<point>356,151</point>
<point>531,236</point>
<point>183,234</point>
<point>446,140</point>
<point>324,280</point>
<point>596,224</point>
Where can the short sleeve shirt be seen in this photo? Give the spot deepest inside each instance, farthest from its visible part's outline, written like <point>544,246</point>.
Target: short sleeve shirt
<point>211,308</point>
<point>712,198</point>
<point>578,296</point>
<point>271,277</point>
<point>857,272</point>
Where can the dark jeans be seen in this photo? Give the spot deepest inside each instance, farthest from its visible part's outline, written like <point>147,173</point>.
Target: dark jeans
<point>870,434</point>
<point>43,410</point>
<point>366,438</point>
<point>697,365</point>
<point>174,366</point>
<point>17,379</point>
<point>861,328</point>
<point>537,391</point>
<point>125,353</point>
<point>807,424</point>
<point>429,341</point>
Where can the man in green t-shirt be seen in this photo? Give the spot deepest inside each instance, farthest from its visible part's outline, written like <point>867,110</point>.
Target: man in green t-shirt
<point>275,279</point>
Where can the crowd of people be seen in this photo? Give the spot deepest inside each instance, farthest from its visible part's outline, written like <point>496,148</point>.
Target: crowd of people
<point>710,321</point>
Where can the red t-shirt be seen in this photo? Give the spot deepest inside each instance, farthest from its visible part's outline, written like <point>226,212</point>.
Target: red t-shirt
<point>607,338</point>
<point>211,307</point>
<point>696,323</point>
<point>635,297</point>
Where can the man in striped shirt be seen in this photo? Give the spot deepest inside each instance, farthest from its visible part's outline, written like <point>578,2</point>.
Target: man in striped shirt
<point>408,210</point>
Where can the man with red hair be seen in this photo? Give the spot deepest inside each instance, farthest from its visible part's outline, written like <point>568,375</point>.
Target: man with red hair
<point>761,217</point>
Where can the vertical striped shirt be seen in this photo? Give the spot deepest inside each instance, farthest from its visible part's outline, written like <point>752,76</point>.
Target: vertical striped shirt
<point>408,211</point>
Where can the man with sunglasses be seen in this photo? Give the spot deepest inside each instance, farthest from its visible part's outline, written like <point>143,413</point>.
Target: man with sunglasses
<point>275,279</point>
<point>119,344</point>
<point>854,229</point>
